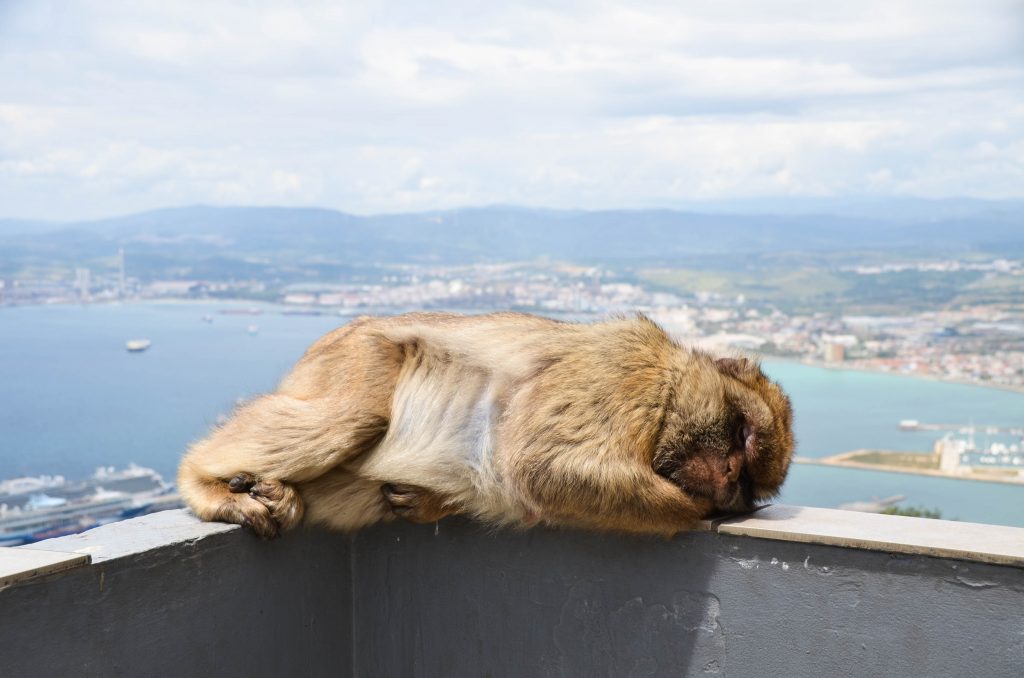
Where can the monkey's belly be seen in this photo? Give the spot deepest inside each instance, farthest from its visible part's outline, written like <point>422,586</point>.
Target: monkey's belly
<point>440,435</point>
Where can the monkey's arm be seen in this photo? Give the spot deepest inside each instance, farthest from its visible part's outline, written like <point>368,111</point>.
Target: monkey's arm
<point>332,407</point>
<point>244,472</point>
<point>609,495</point>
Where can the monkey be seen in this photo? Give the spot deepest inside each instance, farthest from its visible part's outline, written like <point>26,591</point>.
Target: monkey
<point>509,418</point>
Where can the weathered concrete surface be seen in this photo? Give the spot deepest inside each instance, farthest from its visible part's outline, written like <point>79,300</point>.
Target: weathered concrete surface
<point>463,602</point>
<point>133,537</point>
<point>19,565</point>
<point>457,600</point>
<point>976,542</point>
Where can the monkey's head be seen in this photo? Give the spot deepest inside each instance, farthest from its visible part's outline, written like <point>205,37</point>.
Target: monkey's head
<point>727,437</point>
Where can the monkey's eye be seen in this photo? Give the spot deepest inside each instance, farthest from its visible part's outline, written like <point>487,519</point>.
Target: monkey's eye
<point>740,435</point>
<point>744,435</point>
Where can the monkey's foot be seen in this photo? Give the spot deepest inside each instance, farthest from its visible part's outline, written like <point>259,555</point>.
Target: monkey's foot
<point>416,504</point>
<point>266,506</point>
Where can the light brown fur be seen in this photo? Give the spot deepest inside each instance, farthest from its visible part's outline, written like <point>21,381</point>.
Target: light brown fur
<point>510,418</point>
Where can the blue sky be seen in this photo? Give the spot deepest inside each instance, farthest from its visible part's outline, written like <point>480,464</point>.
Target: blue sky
<point>114,106</point>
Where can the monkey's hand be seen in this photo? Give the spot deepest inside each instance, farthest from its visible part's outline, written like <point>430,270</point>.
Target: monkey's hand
<point>271,507</point>
<point>417,504</point>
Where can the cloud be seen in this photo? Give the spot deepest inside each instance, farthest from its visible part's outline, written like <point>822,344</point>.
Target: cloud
<point>121,105</point>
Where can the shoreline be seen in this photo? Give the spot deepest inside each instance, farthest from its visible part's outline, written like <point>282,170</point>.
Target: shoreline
<point>347,313</point>
<point>840,367</point>
<point>840,461</point>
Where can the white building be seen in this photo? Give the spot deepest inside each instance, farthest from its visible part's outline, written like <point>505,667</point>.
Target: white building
<point>949,450</point>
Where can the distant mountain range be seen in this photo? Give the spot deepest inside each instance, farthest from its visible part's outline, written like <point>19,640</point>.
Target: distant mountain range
<point>259,235</point>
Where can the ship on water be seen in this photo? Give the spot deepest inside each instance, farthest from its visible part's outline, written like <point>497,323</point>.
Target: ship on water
<point>137,345</point>
<point>32,509</point>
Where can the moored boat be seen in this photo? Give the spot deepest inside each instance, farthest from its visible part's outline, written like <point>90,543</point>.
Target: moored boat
<point>55,509</point>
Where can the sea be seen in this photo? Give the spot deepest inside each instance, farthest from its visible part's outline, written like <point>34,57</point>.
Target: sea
<point>73,399</point>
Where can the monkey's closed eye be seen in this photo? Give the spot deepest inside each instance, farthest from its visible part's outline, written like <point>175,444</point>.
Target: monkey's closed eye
<point>739,437</point>
<point>744,436</point>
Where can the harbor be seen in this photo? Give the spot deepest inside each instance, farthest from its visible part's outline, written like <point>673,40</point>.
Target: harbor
<point>957,456</point>
<point>43,507</point>
<point>951,458</point>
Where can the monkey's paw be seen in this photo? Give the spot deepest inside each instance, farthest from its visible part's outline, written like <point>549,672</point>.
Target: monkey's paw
<point>268,507</point>
<point>416,504</point>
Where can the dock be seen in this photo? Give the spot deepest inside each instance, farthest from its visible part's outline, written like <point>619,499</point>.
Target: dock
<point>913,463</point>
<point>915,425</point>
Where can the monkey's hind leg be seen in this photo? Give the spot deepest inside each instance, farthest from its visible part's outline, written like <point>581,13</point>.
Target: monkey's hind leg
<point>245,471</point>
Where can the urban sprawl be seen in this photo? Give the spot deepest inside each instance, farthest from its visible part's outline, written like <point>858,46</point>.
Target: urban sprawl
<point>981,344</point>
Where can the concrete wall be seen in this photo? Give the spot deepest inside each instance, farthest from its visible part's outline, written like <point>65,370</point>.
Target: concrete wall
<point>455,600</point>
<point>466,603</point>
<point>225,605</point>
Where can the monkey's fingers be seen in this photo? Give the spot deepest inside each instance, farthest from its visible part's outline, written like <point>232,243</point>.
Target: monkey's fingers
<point>416,504</point>
<point>242,482</point>
<point>247,512</point>
<point>281,499</point>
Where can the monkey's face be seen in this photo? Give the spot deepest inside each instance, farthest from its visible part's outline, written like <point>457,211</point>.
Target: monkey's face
<point>727,439</point>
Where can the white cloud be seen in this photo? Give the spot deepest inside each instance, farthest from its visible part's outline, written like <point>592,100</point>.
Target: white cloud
<point>286,182</point>
<point>118,106</point>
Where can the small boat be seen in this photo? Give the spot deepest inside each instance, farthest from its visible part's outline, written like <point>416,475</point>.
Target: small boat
<point>253,329</point>
<point>207,318</point>
<point>137,345</point>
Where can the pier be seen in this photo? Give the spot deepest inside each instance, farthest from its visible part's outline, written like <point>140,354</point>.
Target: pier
<point>915,463</point>
<point>915,425</point>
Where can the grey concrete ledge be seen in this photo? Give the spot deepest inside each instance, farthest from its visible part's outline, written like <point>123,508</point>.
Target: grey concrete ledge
<point>995,544</point>
<point>22,564</point>
<point>992,544</point>
<point>135,536</point>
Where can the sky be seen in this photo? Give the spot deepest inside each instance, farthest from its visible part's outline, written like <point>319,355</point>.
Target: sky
<point>114,106</point>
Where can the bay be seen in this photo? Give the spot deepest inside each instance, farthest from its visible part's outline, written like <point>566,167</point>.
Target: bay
<point>72,398</point>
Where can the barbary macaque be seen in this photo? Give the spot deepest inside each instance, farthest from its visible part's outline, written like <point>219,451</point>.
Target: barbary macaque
<point>509,418</point>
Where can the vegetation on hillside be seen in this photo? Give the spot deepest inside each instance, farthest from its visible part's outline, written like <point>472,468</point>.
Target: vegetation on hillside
<point>913,512</point>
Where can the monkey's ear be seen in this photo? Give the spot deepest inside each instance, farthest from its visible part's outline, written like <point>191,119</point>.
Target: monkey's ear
<point>735,367</point>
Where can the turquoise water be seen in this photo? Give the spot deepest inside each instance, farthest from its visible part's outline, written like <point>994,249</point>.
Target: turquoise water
<point>72,399</point>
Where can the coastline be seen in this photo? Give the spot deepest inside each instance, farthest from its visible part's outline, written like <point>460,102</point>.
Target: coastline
<point>272,306</point>
<point>842,367</point>
<point>840,461</point>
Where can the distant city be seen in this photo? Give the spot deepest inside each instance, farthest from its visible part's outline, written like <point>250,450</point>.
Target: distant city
<point>978,344</point>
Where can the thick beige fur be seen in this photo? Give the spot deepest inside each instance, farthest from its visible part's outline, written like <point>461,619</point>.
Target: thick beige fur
<point>510,418</point>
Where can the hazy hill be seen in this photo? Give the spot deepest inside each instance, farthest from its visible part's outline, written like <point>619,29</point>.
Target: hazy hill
<point>247,237</point>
